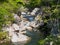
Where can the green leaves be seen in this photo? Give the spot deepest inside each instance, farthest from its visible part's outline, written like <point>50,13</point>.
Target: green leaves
<point>34,3</point>
<point>6,9</point>
<point>55,13</point>
<point>3,35</point>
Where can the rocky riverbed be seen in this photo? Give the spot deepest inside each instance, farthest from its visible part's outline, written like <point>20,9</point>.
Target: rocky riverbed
<point>24,28</point>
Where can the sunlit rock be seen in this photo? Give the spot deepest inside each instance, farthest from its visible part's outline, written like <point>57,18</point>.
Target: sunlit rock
<point>19,39</point>
<point>14,37</point>
<point>23,13</point>
<point>23,37</point>
<point>15,26</point>
<point>34,11</point>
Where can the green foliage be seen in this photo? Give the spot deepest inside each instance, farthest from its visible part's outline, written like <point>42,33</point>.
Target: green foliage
<point>3,35</point>
<point>34,3</point>
<point>48,39</point>
<point>6,9</point>
<point>54,39</point>
<point>56,13</point>
<point>42,42</point>
<point>5,16</point>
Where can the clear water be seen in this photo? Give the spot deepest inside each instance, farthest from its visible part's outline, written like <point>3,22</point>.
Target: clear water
<point>35,38</point>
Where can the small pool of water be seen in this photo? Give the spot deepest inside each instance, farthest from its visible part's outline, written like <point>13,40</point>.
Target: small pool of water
<point>29,17</point>
<point>35,36</point>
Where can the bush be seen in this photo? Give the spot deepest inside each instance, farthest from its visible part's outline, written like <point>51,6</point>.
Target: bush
<point>3,35</point>
<point>6,9</point>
